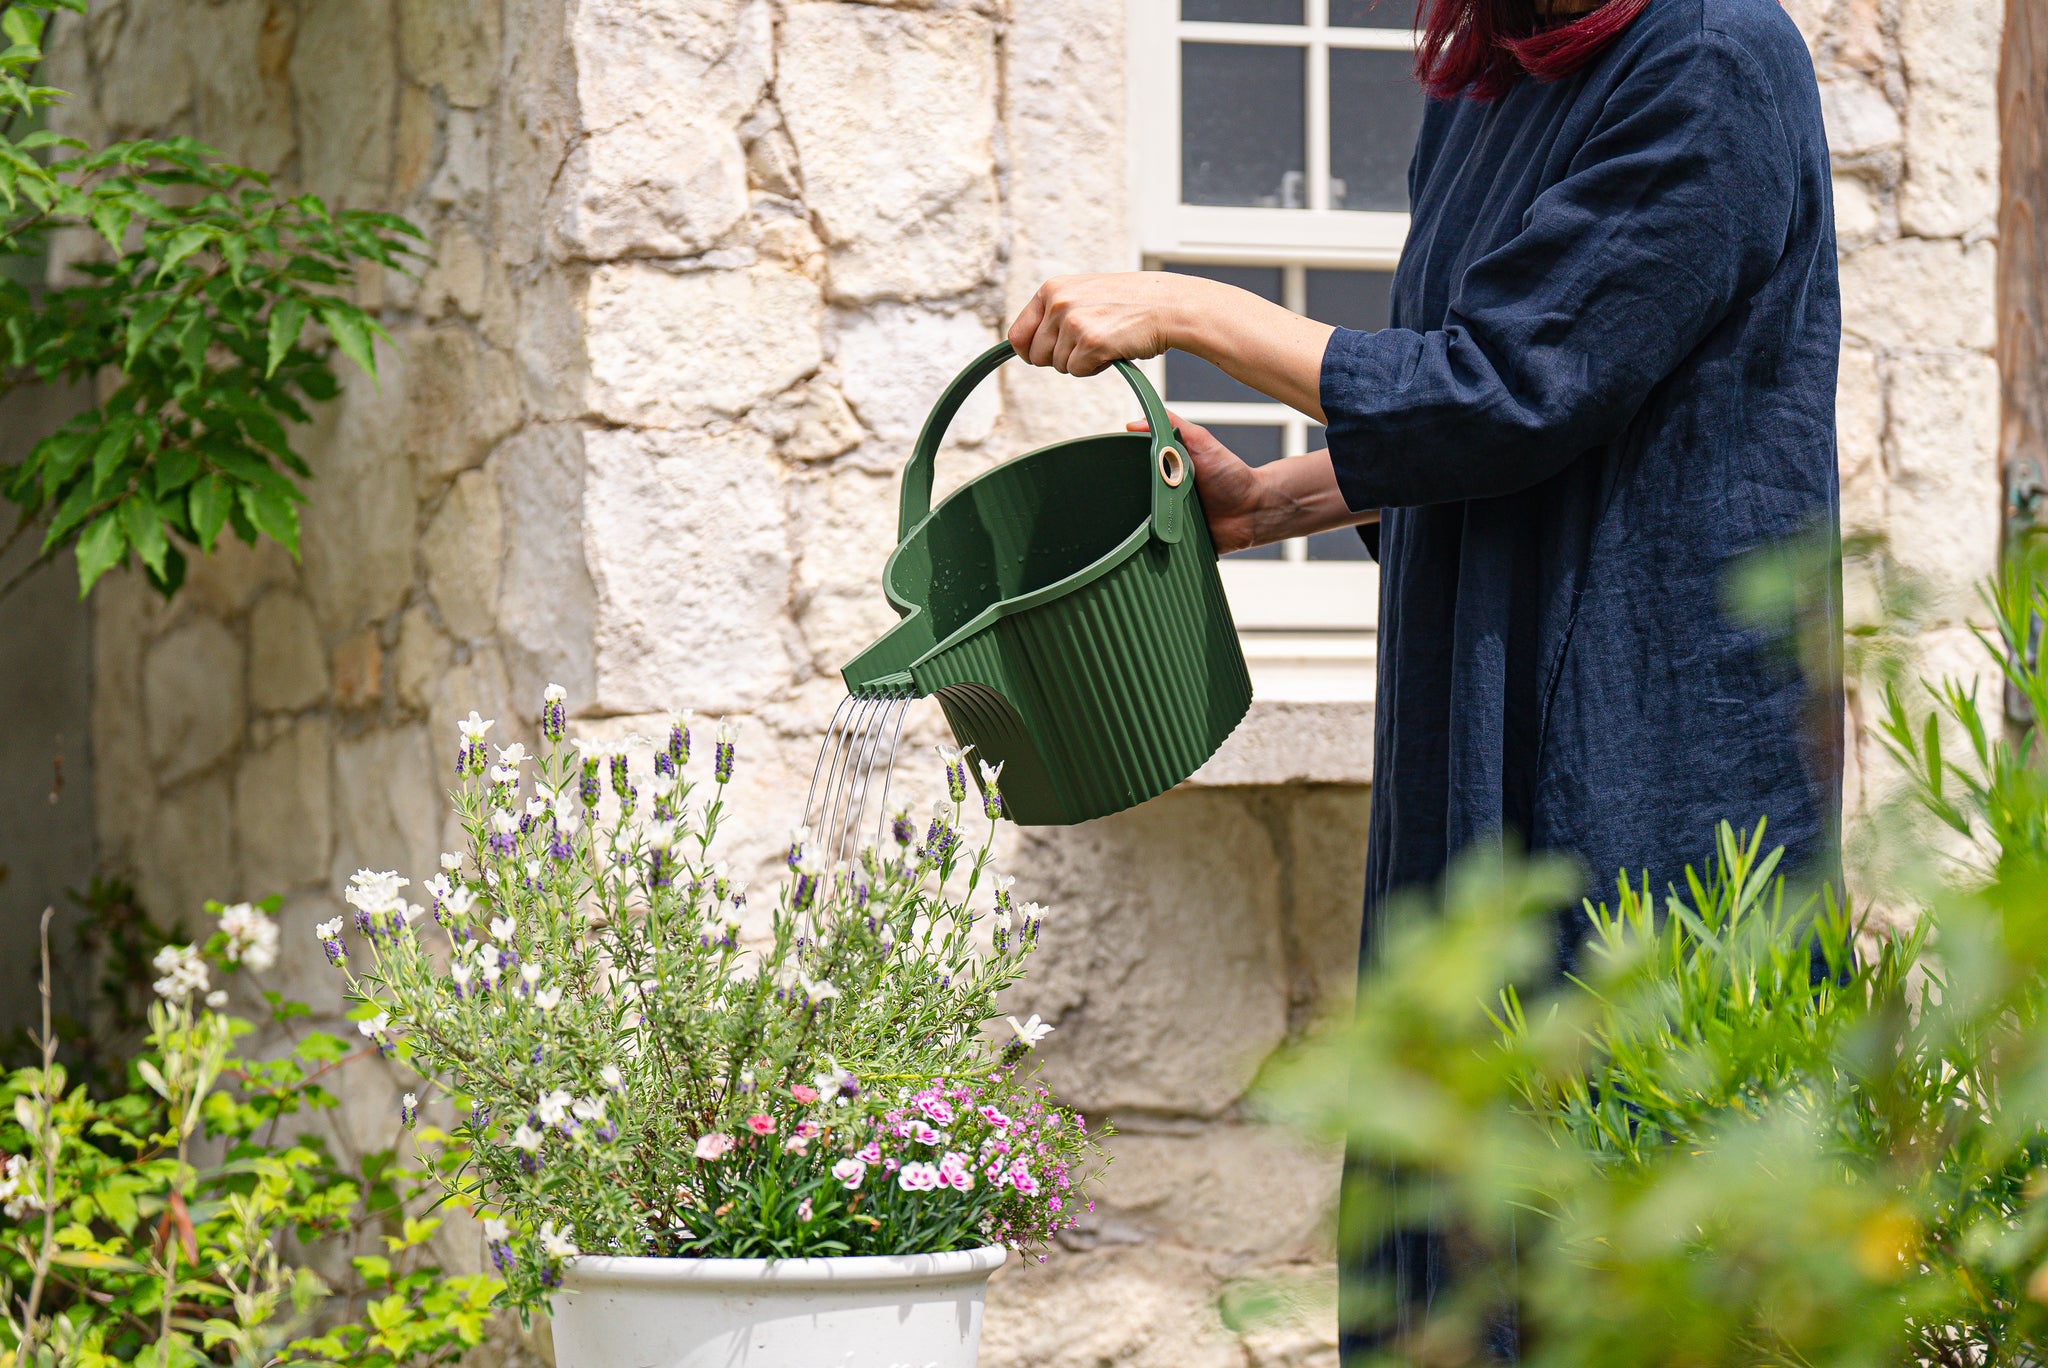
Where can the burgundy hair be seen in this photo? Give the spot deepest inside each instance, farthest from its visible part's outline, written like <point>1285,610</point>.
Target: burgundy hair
<point>1479,48</point>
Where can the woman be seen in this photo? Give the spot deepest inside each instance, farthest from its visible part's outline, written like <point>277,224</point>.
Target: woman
<point>1610,373</point>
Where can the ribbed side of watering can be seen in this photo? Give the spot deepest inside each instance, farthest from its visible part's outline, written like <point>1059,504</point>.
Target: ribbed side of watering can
<point>1102,688</point>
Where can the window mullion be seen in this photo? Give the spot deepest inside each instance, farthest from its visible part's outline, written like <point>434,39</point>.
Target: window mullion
<point>1318,112</point>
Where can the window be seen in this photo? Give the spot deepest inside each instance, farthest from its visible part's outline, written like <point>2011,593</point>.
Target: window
<point>1270,142</point>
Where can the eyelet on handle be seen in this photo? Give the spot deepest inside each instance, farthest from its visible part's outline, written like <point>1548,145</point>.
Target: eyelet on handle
<point>1172,468</point>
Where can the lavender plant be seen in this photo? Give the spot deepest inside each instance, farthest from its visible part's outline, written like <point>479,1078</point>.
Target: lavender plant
<point>628,1074</point>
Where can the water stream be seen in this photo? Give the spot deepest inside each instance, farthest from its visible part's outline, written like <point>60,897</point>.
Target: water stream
<point>844,778</point>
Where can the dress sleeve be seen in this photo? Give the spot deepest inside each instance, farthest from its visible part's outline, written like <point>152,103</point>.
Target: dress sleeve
<point>1675,209</point>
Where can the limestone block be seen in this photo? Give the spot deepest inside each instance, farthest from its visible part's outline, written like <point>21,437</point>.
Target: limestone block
<point>539,120</point>
<point>241,51</point>
<point>1325,858</point>
<point>67,65</point>
<point>420,658</point>
<point>284,823</point>
<point>552,359</point>
<point>1859,441</point>
<point>1949,49</point>
<point>387,803</point>
<point>123,788</point>
<point>1150,1307</point>
<point>455,282</point>
<point>413,154</point>
<point>476,683</point>
<point>772,164</point>
<point>691,565</point>
<point>462,550</point>
<point>547,604</point>
<point>1859,35</point>
<point>639,57</point>
<point>1919,293</point>
<point>811,422</point>
<point>229,580</point>
<point>1161,963</point>
<point>192,697</point>
<point>345,71</point>
<point>1812,18</point>
<point>1292,741</point>
<point>1858,117</point>
<point>452,44</point>
<point>357,527</point>
<point>147,80</point>
<point>187,853</point>
<point>287,667</point>
<point>1298,1327</point>
<point>896,359</point>
<point>677,350</point>
<point>892,113</point>
<point>1189,1189</point>
<point>463,398</point>
<point>359,670</point>
<point>464,181</point>
<point>1858,218</point>
<point>1943,454</point>
<point>664,190</point>
<point>843,529</point>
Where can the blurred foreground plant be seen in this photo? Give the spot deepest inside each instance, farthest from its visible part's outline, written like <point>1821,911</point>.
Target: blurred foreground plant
<point>1727,1140</point>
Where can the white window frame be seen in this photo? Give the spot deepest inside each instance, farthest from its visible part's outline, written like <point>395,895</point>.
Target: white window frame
<point>1308,627</point>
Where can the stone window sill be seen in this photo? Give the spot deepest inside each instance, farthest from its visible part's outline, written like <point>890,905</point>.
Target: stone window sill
<point>1293,741</point>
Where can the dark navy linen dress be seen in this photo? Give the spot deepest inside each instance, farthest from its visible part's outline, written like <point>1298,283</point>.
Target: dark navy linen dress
<point>1610,373</point>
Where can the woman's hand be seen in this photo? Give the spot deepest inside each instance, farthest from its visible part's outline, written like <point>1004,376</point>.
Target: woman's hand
<point>1247,505</point>
<point>1233,497</point>
<point>1081,324</point>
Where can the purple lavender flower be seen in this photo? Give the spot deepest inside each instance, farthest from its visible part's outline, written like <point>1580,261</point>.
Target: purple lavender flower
<point>554,715</point>
<point>679,739</point>
<point>722,751</point>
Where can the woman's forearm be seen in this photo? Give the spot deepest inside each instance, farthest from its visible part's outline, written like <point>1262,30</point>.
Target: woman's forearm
<point>1299,496</point>
<point>1273,349</point>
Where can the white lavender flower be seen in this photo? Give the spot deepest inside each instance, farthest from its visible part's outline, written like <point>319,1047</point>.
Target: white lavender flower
<point>991,793</point>
<point>553,1107</point>
<point>723,748</point>
<point>409,1110</point>
<point>556,1243</point>
<point>1029,1033</point>
<point>554,714</point>
<point>956,770</point>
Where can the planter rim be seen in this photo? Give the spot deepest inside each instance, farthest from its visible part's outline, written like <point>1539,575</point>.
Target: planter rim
<point>859,1270</point>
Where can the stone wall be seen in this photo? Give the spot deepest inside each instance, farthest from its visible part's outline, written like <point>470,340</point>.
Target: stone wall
<point>699,267</point>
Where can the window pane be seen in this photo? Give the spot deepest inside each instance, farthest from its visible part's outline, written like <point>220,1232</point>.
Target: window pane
<point>1241,125</point>
<point>1372,14</point>
<point>1375,113</point>
<point>1242,11</point>
<point>1190,379</point>
<point>1257,445</point>
<point>1350,299</point>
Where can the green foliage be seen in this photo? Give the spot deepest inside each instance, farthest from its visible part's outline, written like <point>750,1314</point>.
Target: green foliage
<point>1750,1130</point>
<point>215,310</point>
<point>171,1224</point>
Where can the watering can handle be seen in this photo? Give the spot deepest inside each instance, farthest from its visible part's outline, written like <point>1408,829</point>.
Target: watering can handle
<point>1172,473</point>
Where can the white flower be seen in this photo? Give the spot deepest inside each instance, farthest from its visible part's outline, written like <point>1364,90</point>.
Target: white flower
<point>496,1231</point>
<point>182,972</point>
<point>17,1198</point>
<point>613,1079</point>
<point>816,990</point>
<point>950,757</point>
<point>327,930</point>
<point>438,888</point>
<point>526,1138</point>
<point>1032,1031</point>
<point>547,999</point>
<point>514,754</point>
<point>530,973</point>
<point>728,733</point>
<point>536,808</point>
<point>475,728</point>
<point>502,928</point>
<point>588,1109</point>
<point>504,774</point>
<point>450,861</point>
<point>459,902</point>
<point>217,999</point>
<point>376,1025</point>
<point>505,822</point>
<point>462,972</point>
<point>554,693</point>
<point>557,1245</point>
<point>1031,911</point>
<point>850,1173</point>
<point>374,892</point>
<point>252,936</point>
<point>553,1107</point>
<point>991,773</point>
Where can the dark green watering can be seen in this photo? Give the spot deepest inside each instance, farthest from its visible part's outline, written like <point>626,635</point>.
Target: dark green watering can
<point>1065,610</point>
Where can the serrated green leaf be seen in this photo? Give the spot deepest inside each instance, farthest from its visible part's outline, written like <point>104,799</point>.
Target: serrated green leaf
<point>100,548</point>
<point>108,454</point>
<point>183,244</point>
<point>144,322</point>
<point>287,319</point>
<point>173,470</point>
<point>273,515</point>
<point>110,219</point>
<point>353,330</point>
<point>22,26</point>
<point>145,529</point>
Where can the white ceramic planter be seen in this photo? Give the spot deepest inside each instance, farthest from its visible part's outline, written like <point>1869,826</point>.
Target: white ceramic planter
<point>907,1311</point>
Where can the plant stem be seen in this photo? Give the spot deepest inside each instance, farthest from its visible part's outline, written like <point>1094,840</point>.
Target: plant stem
<point>29,1331</point>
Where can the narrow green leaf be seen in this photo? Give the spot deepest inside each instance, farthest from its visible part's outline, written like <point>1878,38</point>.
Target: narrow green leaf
<point>100,548</point>
<point>108,456</point>
<point>144,322</point>
<point>287,318</point>
<point>209,502</point>
<point>273,515</point>
<point>145,529</point>
<point>352,329</point>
